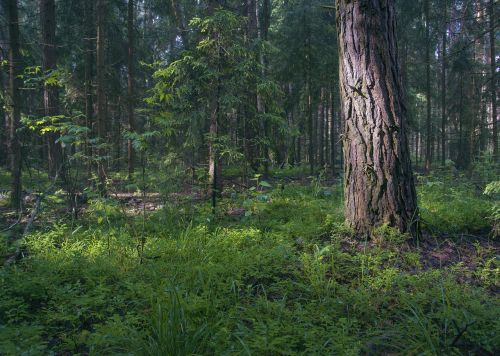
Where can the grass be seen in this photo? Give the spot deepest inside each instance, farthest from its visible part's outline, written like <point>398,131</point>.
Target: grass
<point>447,207</point>
<point>286,277</point>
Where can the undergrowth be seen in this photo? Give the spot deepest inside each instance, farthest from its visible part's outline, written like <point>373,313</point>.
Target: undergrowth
<point>285,276</point>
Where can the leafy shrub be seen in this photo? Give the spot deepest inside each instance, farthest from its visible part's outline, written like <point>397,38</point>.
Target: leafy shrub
<point>493,190</point>
<point>452,206</point>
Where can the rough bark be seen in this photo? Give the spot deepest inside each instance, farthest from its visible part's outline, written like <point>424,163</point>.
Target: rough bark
<point>14,103</point>
<point>50,92</point>
<point>378,180</point>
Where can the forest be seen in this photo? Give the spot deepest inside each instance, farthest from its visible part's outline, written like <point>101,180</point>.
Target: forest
<point>249,177</point>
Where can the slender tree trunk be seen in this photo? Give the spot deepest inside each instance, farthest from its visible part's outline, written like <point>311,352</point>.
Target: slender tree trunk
<point>89,64</point>
<point>214,168</point>
<point>214,164</point>
<point>308,86</point>
<point>326,128</point>
<point>101,98</point>
<point>428,125</point>
<point>130,86</point>
<point>261,111</point>
<point>493,80</point>
<point>378,180</point>
<point>333,137</point>
<point>50,91</point>
<point>14,107</point>
<point>4,127</point>
<point>443,85</point>
<point>321,129</point>
<point>461,149</point>
<point>417,148</point>
<point>181,21</point>
<point>116,134</point>
<point>252,120</point>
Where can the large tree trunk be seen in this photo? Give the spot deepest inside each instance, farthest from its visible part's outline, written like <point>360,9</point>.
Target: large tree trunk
<point>493,80</point>
<point>130,98</point>
<point>378,180</point>
<point>50,91</point>
<point>101,99</point>
<point>14,107</point>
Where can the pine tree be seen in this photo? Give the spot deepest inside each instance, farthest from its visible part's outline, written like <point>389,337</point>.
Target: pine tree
<point>379,184</point>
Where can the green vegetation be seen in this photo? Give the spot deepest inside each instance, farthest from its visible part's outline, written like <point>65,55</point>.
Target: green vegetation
<point>274,271</point>
<point>257,177</point>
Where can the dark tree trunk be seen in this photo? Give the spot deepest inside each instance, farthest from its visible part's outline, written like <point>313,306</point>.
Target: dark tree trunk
<point>428,125</point>
<point>378,180</point>
<point>101,99</point>
<point>89,64</point>
<point>214,164</point>
<point>130,87</point>
<point>261,110</point>
<point>181,21</point>
<point>333,152</point>
<point>493,80</point>
<point>321,129</point>
<point>14,107</point>
<point>326,128</point>
<point>4,127</point>
<point>443,87</point>
<point>50,91</point>
<point>308,86</point>
<point>251,121</point>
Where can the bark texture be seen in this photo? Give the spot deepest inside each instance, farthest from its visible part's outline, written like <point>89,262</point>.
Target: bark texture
<point>379,184</point>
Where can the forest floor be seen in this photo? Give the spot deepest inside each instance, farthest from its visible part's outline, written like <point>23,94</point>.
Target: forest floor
<point>273,271</point>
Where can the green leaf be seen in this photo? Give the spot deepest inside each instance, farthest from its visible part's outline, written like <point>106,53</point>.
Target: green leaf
<point>265,184</point>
